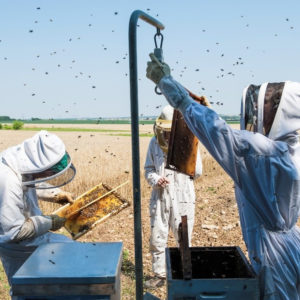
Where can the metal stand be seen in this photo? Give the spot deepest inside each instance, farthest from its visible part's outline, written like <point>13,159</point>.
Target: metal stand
<point>135,143</point>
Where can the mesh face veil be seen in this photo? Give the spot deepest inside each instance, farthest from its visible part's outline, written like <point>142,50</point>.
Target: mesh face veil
<point>162,127</point>
<point>250,107</point>
<point>259,106</point>
<point>58,175</point>
<point>272,100</point>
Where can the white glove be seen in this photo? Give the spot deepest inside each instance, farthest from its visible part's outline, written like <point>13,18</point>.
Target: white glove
<point>27,231</point>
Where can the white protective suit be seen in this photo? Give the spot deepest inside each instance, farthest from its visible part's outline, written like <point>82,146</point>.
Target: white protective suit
<point>266,172</point>
<point>168,204</point>
<point>19,202</point>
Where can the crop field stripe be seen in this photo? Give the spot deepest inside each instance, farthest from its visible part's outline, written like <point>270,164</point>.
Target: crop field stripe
<point>112,132</point>
<point>80,122</point>
<point>72,129</point>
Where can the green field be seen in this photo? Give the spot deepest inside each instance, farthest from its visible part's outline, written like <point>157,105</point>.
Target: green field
<point>75,121</point>
<point>93,121</point>
<point>62,129</point>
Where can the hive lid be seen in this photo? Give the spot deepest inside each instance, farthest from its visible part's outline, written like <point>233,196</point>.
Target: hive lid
<point>71,263</point>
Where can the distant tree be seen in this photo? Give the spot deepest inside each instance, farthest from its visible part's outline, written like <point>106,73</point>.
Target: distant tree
<point>1,126</point>
<point>5,118</point>
<point>17,125</point>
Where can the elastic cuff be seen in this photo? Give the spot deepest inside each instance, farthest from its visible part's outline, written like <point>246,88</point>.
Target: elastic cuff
<point>156,186</point>
<point>164,79</point>
<point>156,178</point>
<point>153,178</point>
<point>42,224</point>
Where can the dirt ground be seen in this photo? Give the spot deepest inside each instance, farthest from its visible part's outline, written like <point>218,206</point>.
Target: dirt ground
<point>216,224</point>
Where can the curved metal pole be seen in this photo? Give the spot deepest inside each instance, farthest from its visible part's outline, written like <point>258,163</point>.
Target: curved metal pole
<point>135,144</point>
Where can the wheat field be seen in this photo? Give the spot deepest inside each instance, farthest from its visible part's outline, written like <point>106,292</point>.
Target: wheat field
<point>103,157</point>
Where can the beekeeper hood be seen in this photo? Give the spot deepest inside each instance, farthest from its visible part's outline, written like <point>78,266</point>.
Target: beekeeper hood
<point>271,109</point>
<point>40,158</point>
<point>162,127</point>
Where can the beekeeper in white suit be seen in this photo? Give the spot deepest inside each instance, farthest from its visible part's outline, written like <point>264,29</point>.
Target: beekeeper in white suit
<point>265,166</point>
<point>23,169</point>
<point>172,196</point>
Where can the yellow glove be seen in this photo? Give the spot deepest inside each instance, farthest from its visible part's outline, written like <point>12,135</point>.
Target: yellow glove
<point>57,222</point>
<point>205,102</point>
<point>156,70</point>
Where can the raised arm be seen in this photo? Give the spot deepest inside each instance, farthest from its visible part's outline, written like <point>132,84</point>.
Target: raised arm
<point>253,161</point>
<point>213,132</point>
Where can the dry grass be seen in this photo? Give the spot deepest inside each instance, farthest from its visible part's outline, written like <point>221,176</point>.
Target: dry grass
<point>99,157</point>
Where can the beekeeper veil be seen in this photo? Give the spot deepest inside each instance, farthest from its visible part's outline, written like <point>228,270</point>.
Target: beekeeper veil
<point>271,109</point>
<point>162,127</point>
<point>41,158</point>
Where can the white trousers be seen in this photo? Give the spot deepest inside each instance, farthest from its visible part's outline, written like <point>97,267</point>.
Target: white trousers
<point>165,216</point>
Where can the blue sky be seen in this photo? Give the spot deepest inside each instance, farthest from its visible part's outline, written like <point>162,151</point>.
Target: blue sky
<point>63,59</point>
